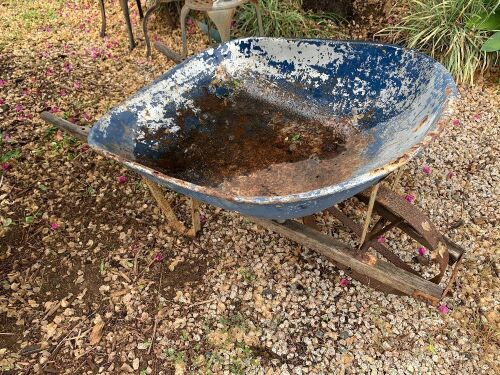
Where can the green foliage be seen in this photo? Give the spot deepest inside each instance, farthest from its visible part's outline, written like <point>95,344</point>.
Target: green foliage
<point>492,44</point>
<point>491,22</point>
<point>285,18</point>
<point>35,16</point>
<point>14,154</point>
<point>451,31</point>
<point>175,356</point>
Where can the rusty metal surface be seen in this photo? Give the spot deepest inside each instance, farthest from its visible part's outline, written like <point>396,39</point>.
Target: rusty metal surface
<point>455,251</point>
<point>399,98</point>
<point>392,206</point>
<point>380,248</point>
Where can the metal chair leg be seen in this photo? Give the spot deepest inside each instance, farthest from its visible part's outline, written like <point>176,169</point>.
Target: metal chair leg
<point>209,29</point>
<point>259,17</point>
<point>103,19</point>
<point>139,7</point>
<point>145,28</point>
<point>126,15</point>
<point>184,12</point>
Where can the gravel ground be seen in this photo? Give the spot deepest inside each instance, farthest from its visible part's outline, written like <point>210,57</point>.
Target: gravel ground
<point>93,281</point>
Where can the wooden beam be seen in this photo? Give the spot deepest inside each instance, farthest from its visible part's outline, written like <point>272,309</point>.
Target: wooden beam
<point>79,132</point>
<point>195,215</point>
<point>337,251</point>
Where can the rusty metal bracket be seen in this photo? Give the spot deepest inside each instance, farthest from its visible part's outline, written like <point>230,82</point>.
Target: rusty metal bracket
<point>380,248</point>
<point>392,206</point>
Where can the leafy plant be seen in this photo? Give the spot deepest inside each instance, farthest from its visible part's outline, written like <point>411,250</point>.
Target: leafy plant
<point>489,22</point>
<point>14,154</point>
<point>175,356</point>
<point>451,32</point>
<point>285,18</point>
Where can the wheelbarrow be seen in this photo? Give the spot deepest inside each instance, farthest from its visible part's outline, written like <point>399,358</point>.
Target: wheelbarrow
<point>281,129</point>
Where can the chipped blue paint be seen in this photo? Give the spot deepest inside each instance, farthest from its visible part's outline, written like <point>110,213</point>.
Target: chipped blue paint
<point>398,96</point>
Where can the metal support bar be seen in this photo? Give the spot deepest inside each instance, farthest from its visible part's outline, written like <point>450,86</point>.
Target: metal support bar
<point>381,249</point>
<point>373,196</point>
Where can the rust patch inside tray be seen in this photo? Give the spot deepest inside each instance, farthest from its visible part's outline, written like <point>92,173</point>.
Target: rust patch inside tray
<point>247,146</point>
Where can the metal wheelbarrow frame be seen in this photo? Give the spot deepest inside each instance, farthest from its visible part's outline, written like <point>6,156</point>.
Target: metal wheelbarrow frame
<point>391,275</point>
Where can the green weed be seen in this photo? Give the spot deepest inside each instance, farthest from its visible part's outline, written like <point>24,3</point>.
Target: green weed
<point>448,30</point>
<point>285,18</point>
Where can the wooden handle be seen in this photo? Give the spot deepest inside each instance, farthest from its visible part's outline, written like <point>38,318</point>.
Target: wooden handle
<point>79,132</point>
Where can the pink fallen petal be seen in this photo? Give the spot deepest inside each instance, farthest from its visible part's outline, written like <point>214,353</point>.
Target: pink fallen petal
<point>203,219</point>
<point>122,179</point>
<point>84,148</point>
<point>450,175</point>
<point>77,85</point>
<point>2,101</point>
<point>344,282</point>
<point>158,257</point>
<point>7,137</point>
<point>422,251</point>
<point>86,116</point>
<point>18,108</point>
<point>54,226</point>
<point>2,83</point>
<point>443,309</point>
<point>62,92</point>
<point>26,92</point>
<point>477,117</point>
<point>5,166</point>
<point>409,198</point>
<point>67,67</point>
<point>456,122</point>
<point>426,169</point>
<point>54,109</point>
<point>94,53</point>
<point>381,239</point>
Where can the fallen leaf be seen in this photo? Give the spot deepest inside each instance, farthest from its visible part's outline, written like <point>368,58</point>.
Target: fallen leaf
<point>96,334</point>
<point>174,263</point>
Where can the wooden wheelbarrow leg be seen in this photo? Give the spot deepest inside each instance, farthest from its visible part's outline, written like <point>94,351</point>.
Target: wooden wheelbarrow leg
<point>382,272</point>
<point>81,133</point>
<point>169,213</point>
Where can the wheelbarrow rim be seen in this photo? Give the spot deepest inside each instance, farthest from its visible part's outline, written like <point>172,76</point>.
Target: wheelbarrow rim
<point>373,175</point>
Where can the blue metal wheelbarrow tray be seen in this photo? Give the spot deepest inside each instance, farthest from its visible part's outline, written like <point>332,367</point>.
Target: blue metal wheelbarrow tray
<point>280,129</point>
